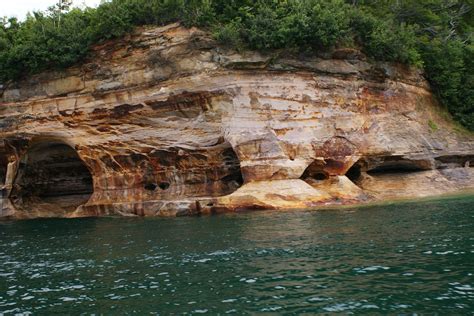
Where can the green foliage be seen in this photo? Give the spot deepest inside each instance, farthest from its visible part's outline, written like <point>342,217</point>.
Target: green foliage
<point>384,39</point>
<point>444,32</point>
<point>229,34</point>
<point>434,34</point>
<point>449,67</point>
<point>295,24</point>
<point>41,42</point>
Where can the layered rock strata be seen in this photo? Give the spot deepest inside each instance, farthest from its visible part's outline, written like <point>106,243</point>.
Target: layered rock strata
<point>165,123</point>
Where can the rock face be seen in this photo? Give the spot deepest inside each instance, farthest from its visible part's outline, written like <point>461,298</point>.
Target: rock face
<point>165,123</point>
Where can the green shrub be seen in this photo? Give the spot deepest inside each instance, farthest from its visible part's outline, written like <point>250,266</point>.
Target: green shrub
<point>229,34</point>
<point>449,68</point>
<point>386,40</point>
<point>297,24</point>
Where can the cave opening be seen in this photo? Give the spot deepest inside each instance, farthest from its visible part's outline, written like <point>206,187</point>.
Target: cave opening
<point>3,175</point>
<point>52,179</point>
<point>395,167</point>
<point>315,172</point>
<point>380,166</point>
<point>3,168</point>
<point>231,165</point>
<point>153,186</point>
<point>150,186</point>
<point>164,185</point>
<point>235,178</point>
<point>455,161</point>
<point>180,173</point>
<point>355,172</point>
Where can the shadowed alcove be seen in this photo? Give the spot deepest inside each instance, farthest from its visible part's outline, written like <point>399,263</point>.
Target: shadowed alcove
<point>3,173</point>
<point>355,172</point>
<point>382,166</point>
<point>3,168</point>
<point>51,179</point>
<point>176,173</point>
<point>234,179</point>
<point>315,172</point>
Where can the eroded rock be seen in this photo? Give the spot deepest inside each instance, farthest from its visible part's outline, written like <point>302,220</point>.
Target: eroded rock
<point>166,123</point>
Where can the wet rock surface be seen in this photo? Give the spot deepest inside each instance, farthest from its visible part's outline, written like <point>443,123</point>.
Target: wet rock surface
<point>166,123</point>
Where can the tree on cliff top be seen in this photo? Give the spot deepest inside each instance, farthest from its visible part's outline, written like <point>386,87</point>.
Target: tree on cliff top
<point>434,34</point>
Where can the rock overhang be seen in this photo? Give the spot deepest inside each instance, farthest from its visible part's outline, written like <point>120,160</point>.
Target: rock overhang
<point>168,127</point>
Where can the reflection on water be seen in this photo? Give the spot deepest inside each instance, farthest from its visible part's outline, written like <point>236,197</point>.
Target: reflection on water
<point>399,258</point>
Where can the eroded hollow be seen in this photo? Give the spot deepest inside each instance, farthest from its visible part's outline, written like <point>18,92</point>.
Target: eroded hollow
<point>454,161</point>
<point>378,166</point>
<point>231,164</point>
<point>3,173</point>
<point>177,173</point>
<point>3,168</point>
<point>315,172</point>
<point>51,179</point>
<point>355,172</point>
<point>153,186</point>
<point>394,168</point>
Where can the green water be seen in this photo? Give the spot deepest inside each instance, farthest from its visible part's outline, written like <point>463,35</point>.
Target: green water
<point>398,259</point>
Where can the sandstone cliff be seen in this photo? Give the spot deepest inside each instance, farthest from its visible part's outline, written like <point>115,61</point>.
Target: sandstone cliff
<point>166,122</point>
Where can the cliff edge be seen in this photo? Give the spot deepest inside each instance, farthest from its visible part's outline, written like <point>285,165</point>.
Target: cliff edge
<point>165,123</point>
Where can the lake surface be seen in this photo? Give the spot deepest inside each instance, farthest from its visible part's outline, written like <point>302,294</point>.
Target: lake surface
<point>415,257</point>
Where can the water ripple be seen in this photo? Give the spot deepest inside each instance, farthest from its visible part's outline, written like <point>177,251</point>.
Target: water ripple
<point>398,259</point>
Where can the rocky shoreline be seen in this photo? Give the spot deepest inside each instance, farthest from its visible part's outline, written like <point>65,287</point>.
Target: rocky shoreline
<point>166,123</point>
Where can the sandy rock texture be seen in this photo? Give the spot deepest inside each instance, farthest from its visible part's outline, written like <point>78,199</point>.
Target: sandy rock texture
<point>165,122</point>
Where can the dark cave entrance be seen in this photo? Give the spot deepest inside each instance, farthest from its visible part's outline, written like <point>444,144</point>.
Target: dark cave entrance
<point>52,179</point>
<point>234,179</point>
<point>153,186</point>
<point>379,166</point>
<point>454,161</point>
<point>3,175</point>
<point>3,168</point>
<point>402,167</point>
<point>177,173</point>
<point>315,172</point>
<point>355,172</point>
